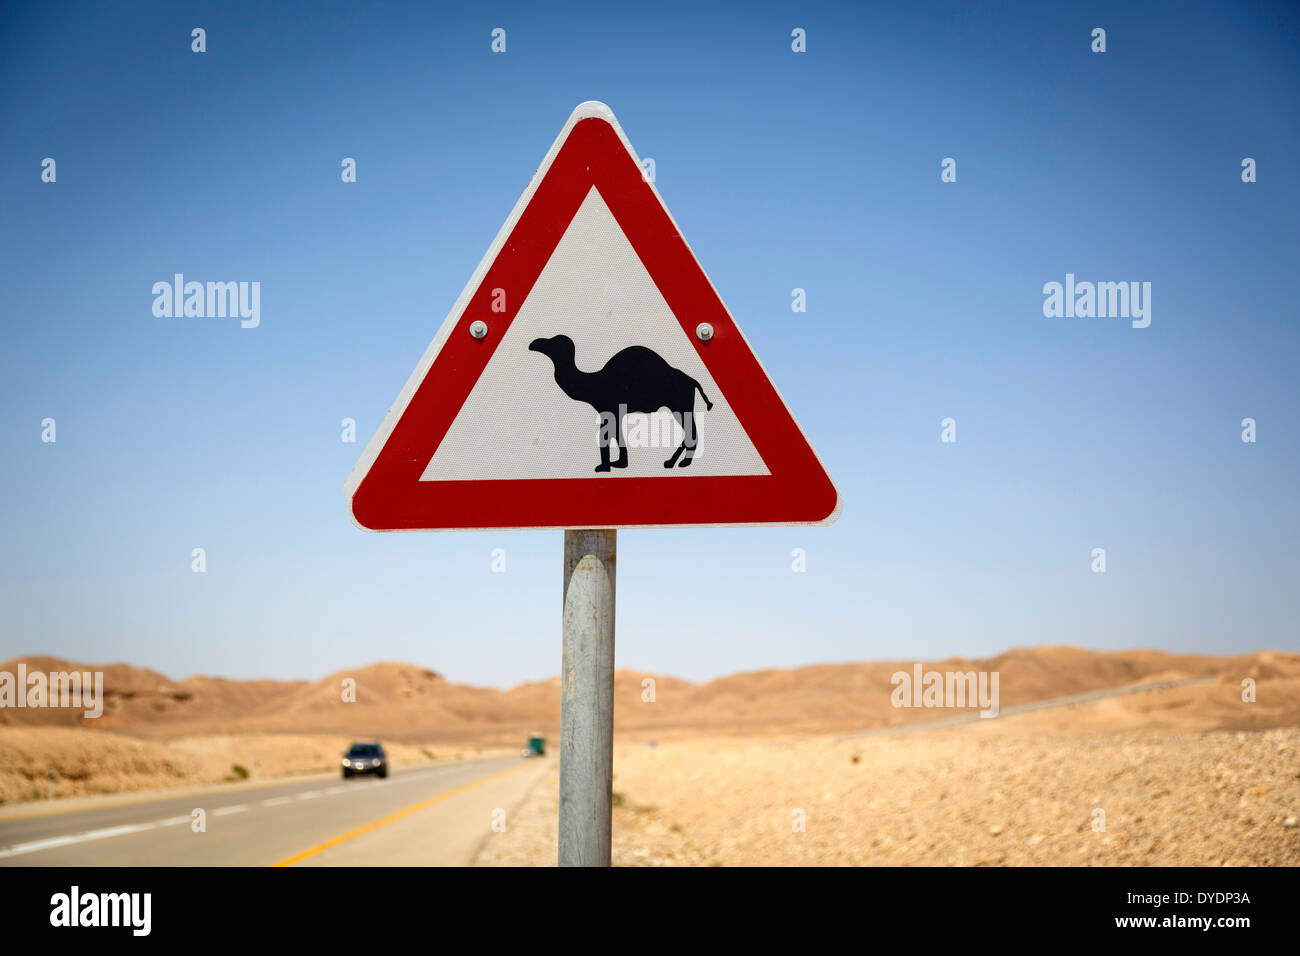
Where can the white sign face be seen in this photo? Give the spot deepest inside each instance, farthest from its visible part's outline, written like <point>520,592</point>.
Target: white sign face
<point>589,376</point>
<point>519,423</point>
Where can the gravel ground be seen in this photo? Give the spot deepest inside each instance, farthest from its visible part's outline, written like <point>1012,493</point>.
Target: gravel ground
<point>642,836</point>
<point>970,796</point>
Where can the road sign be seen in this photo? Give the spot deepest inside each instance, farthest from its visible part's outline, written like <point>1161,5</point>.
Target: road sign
<point>588,377</point>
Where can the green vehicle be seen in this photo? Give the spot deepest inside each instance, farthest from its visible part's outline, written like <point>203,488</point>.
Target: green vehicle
<point>536,745</point>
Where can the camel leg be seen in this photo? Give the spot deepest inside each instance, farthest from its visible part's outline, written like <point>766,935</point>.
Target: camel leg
<point>680,448</point>
<point>602,439</point>
<point>622,446</point>
<point>690,439</point>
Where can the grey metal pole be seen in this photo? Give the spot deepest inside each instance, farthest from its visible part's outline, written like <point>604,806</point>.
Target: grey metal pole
<point>587,698</point>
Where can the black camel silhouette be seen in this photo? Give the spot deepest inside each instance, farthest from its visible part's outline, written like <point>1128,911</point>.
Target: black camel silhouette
<point>634,380</point>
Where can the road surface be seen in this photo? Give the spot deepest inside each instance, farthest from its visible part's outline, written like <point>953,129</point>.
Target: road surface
<point>426,816</point>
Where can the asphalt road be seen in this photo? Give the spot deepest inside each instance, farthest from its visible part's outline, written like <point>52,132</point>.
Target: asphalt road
<point>425,816</point>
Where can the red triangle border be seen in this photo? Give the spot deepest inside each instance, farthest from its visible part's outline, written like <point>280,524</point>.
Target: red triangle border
<point>389,495</point>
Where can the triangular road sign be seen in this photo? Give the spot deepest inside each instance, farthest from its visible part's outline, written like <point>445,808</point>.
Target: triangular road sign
<point>589,377</point>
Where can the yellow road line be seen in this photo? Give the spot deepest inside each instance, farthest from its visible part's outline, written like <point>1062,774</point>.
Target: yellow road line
<point>393,817</point>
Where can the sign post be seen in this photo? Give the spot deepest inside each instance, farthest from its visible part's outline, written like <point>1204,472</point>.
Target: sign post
<point>587,698</point>
<point>589,378</point>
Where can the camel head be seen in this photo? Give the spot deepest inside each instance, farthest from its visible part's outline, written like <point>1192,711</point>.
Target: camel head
<point>558,348</point>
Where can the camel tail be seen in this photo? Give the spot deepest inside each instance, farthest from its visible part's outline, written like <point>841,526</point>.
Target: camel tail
<point>708,405</point>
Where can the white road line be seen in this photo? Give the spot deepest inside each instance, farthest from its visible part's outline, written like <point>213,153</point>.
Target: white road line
<point>22,848</point>
<point>53,842</point>
<point>117,831</point>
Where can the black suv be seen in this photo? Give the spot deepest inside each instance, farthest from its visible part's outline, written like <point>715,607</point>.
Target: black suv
<point>365,758</point>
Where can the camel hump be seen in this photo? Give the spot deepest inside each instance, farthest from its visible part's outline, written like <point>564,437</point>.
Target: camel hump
<point>639,379</point>
<point>637,363</point>
<point>635,360</point>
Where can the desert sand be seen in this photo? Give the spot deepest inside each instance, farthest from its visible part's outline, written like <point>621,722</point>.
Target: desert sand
<point>811,765</point>
<point>1013,792</point>
<point>417,705</point>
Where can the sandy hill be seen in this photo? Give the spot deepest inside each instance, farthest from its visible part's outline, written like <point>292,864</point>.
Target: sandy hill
<point>415,704</point>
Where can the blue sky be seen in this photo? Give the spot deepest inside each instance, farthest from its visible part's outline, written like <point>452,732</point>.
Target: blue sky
<point>817,170</point>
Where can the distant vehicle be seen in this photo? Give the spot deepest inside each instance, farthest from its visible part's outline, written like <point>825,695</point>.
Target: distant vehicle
<point>536,746</point>
<point>365,758</point>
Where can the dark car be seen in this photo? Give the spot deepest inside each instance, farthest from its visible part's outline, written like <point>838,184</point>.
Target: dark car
<point>365,758</point>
